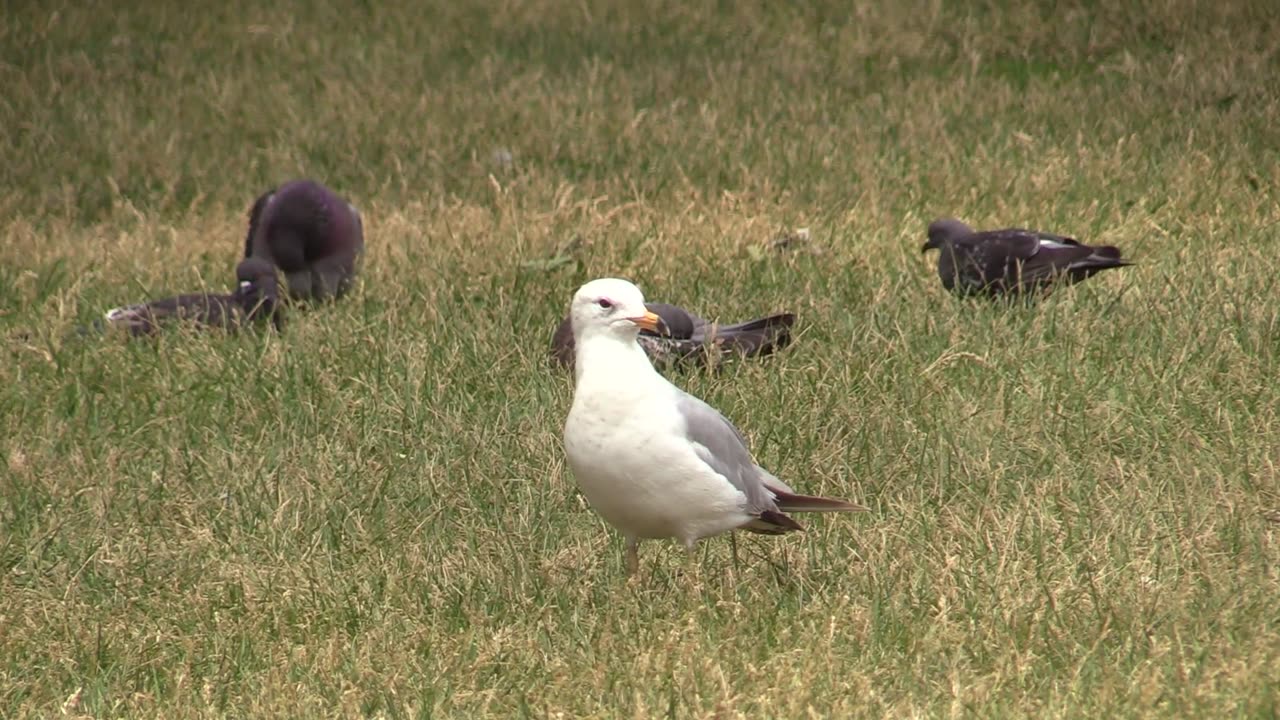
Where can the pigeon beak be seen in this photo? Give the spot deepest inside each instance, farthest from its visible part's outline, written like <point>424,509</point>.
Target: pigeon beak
<point>927,247</point>
<point>650,321</point>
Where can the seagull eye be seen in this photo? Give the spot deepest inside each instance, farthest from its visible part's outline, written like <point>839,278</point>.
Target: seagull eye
<point>604,303</point>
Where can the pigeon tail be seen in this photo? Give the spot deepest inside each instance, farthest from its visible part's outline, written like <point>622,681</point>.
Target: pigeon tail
<point>1095,264</point>
<point>756,337</point>
<point>125,313</point>
<point>1109,252</point>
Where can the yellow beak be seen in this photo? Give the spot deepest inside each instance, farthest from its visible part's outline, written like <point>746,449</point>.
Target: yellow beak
<point>649,321</point>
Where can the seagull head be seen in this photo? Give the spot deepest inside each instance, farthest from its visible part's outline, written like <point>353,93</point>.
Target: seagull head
<point>611,307</point>
<point>943,230</point>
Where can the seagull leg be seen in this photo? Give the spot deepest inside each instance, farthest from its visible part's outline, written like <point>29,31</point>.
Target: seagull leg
<point>691,556</point>
<point>632,556</point>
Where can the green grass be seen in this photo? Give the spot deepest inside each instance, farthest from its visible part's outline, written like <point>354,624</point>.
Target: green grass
<point>1074,505</point>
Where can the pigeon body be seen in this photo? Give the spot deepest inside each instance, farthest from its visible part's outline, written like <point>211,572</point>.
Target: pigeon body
<point>1013,261</point>
<point>312,234</point>
<point>685,337</point>
<point>652,460</point>
<point>256,298</point>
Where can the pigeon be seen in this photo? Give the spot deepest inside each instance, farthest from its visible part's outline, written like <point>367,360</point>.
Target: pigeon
<point>314,236</point>
<point>685,337</point>
<point>652,460</point>
<point>1013,261</point>
<point>255,299</point>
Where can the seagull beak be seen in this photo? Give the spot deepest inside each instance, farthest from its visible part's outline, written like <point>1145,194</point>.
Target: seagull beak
<point>650,321</point>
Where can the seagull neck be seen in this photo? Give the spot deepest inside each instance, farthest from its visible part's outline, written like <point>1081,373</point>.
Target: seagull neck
<point>613,355</point>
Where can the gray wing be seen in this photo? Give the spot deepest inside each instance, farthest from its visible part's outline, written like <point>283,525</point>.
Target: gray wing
<point>719,444</point>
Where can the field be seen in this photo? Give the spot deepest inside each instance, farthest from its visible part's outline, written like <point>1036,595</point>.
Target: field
<point>1075,504</point>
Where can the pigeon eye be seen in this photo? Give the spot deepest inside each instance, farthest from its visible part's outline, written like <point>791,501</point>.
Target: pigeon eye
<point>604,303</point>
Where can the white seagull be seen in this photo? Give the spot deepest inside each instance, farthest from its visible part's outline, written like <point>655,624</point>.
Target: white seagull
<point>652,460</point>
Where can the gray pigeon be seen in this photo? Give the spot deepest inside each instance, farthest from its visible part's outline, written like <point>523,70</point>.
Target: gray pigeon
<point>685,337</point>
<point>1012,261</point>
<point>312,234</point>
<point>255,298</point>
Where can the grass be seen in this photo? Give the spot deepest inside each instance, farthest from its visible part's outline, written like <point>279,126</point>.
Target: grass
<point>1074,505</point>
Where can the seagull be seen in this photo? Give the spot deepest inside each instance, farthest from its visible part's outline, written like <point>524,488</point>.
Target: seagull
<point>652,460</point>
<point>1012,261</point>
<point>254,299</point>
<point>685,337</point>
<point>313,235</point>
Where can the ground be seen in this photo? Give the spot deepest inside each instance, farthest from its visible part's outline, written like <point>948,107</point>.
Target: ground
<point>1074,504</point>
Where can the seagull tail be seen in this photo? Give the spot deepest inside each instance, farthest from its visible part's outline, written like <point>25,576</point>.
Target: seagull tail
<point>757,337</point>
<point>772,522</point>
<point>792,502</point>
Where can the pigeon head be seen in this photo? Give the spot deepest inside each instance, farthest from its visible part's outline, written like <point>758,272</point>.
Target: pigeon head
<point>256,273</point>
<point>676,321</point>
<point>258,288</point>
<point>943,231</point>
<point>613,307</point>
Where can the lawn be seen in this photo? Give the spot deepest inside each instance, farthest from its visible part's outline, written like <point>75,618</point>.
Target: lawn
<point>1075,504</point>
